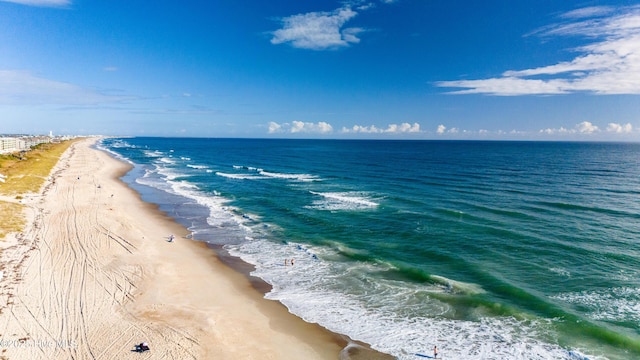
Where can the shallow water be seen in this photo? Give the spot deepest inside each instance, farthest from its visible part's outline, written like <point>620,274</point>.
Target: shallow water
<point>494,250</point>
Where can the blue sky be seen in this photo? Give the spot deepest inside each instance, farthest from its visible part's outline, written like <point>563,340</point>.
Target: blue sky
<point>382,69</point>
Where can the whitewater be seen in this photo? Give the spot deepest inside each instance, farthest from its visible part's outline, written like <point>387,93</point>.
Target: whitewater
<point>488,250</point>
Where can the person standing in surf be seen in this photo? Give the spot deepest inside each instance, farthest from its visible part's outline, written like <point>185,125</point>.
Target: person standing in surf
<point>435,352</point>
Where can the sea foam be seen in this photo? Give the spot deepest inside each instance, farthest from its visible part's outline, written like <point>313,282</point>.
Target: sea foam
<point>388,319</point>
<point>334,201</point>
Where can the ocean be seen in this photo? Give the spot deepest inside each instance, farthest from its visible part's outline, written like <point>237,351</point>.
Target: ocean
<point>489,250</point>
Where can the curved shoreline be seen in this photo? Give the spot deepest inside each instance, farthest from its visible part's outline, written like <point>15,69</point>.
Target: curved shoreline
<point>92,274</point>
<point>350,349</point>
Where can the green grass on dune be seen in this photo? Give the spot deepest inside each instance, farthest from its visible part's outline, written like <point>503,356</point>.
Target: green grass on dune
<point>24,173</point>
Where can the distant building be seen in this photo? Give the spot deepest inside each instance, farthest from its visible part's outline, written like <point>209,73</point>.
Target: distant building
<point>10,144</point>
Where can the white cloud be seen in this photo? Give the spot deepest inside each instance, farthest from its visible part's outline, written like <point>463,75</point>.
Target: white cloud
<point>403,128</point>
<point>441,129</point>
<point>300,127</point>
<point>585,128</point>
<point>318,30</point>
<point>608,66</point>
<point>364,6</point>
<point>506,86</point>
<point>43,3</point>
<point>362,129</point>
<point>307,127</point>
<point>23,88</point>
<point>274,127</point>
<point>322,30</point>
<point>588,12</point>
<point>552,131</point>
<point>620,128</point>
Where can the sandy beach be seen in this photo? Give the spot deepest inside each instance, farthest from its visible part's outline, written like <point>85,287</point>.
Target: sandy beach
<point>93,274</point>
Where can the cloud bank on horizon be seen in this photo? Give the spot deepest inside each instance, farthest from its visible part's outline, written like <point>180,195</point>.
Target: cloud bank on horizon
<point>324,128</point>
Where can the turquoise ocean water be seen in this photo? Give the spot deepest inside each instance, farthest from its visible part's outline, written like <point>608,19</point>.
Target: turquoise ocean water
<point>489,250</point>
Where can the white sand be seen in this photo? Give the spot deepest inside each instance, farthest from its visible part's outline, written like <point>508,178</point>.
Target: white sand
<point>93,274</point>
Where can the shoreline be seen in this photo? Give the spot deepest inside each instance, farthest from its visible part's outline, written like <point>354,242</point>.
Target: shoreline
<point>93,274</point>
<point>350,349</point>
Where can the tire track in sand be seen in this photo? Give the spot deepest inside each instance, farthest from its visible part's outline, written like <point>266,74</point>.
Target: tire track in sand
<point>64,280</point>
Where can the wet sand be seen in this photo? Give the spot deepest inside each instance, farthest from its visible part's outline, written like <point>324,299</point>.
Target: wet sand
<point>93,274</point>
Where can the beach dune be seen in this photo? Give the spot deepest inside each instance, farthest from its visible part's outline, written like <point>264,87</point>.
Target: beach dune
<point>93,274</point>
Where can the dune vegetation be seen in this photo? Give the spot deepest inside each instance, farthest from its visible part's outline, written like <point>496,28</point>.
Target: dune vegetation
<point>22,173</point>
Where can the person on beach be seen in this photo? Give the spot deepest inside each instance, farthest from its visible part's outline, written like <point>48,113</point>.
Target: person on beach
<point>142,347</point>
<point>171,238</point>
<point>286,262</point>
<point>435,352</point>
<point>292,260</point>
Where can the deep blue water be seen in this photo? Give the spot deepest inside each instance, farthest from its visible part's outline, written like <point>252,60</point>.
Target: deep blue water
<point>492,250</point>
